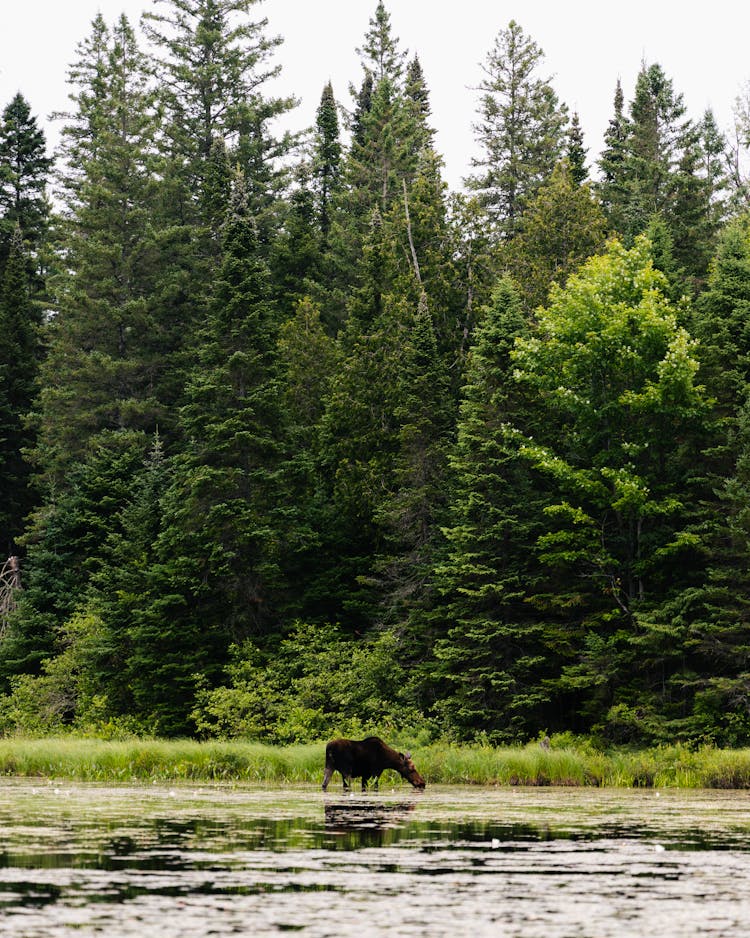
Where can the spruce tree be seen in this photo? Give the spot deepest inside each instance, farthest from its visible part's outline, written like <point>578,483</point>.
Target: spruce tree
<point>576,152</point>
<point>213,62</point>
<point>490,656</point>
<point>326,169</point>
<point>24,175</point>
<point>379,52</point>
<point>612,185</point>
<point>106,367</point>
<point>19,364</point>
<point>409,515</point>
<point>213,578</point>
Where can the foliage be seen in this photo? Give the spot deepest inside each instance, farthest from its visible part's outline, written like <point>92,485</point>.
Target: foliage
<point>295,441</point>
<point>318,683</point>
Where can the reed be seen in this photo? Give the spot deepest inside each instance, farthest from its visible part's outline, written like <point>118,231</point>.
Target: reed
<point>131,760</point>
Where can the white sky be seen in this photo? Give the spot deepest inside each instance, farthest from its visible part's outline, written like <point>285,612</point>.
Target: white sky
<point>588,44</point>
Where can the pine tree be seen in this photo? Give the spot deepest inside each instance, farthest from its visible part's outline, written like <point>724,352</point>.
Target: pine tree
<point>213,62</point>
<point>520,130</point>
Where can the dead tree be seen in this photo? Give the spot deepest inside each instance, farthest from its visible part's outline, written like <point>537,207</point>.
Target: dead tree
<point>10,584</point>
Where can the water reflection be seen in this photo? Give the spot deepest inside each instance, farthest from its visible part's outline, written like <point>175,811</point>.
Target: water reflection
<point>454,861</point>
<point>354,825</point>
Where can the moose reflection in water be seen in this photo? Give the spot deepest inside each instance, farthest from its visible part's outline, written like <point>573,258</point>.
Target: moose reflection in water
<point>352,825</point>
<point>367,758</point>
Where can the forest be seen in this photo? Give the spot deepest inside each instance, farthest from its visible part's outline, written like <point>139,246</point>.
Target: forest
<point>296,441</point>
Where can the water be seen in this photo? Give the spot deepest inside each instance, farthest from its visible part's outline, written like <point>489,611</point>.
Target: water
<point>189,861</point>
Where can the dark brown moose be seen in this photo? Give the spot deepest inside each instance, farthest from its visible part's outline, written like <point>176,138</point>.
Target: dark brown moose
<point>367,758</point>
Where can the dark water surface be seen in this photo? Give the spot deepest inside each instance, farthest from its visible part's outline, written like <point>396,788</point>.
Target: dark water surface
<point>214,860</point>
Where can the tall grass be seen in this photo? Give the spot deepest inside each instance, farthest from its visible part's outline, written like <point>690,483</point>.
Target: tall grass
<point>172,760</point>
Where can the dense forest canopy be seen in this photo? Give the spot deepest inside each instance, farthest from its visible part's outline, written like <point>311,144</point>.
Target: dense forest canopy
<point>294,440</point>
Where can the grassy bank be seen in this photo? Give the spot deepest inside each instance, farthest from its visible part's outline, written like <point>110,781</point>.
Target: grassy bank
<point>163,760</point>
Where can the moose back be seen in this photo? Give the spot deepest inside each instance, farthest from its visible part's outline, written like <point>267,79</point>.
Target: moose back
<point>366,759</point>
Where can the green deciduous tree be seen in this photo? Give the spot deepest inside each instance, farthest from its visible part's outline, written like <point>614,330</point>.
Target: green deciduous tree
<point>616,375</point>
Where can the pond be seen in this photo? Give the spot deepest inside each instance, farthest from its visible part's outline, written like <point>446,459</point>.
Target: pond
<point>184,861</point>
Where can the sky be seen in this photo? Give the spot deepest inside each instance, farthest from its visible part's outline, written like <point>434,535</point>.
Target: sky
<point>588,45</point>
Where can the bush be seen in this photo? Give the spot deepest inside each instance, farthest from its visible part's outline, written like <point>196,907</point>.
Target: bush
<point>318,683</point>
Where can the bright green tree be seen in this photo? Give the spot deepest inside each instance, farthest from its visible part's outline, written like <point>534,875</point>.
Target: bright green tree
<point>622,449</point>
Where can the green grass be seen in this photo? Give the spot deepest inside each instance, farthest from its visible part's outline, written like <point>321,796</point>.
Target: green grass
<point>168,760</point>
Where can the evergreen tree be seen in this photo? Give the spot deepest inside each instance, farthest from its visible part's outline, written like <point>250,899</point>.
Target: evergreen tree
<point>576,152</point>
<point>19,363</point>
<point>409,515</point>
<point>24,174</point>
<point>214,574</point>
<point>490,648</point>
<point>363,104</point>
<point>612,186</point>
<point>119,592</point>
<point>106,365</point>
<point>327,157</point>
<point>520,130</point>
<point>65,547</point>
<point>720,321</point>
<point>564,225</point>
<point>714,616</point>
<point>214,61</point>
<point>307,358</point>
<point>418,95</point>
<point>379,53</point>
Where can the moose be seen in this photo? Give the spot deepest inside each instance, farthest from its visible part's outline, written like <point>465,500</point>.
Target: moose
<point>367,758</point>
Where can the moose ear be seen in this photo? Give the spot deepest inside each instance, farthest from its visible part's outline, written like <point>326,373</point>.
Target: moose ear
<point>407,755</point>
